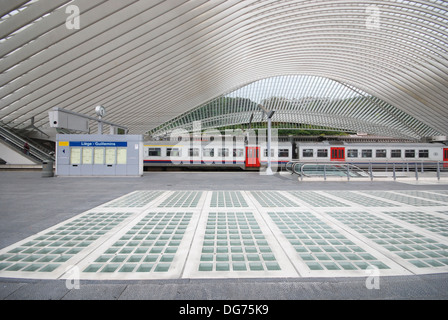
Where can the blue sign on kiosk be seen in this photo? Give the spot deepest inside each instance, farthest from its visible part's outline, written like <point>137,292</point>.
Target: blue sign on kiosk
<point>98,143</point>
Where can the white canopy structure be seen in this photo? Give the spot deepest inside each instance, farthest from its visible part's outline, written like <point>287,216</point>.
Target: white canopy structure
<point>151,61</point>
<point>301,102</point>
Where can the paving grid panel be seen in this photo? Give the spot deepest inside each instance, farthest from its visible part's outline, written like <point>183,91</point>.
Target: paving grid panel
<point>48,253</point>
<point>236,244</point>
<point>359,199</point>
<point>317,247</point>
<point>273,199</point>
<point>154,247</point>
<point>226,199</point>
<point>316,199</point>
<point>403,199</point>
<point>442,199</point>
<point>440,192</point>
<point>428,221</point>
<point>136,199</point>
<point>232,234</point>
<point>420,253</point>
<point>182,199</point>
<point>321,247</point>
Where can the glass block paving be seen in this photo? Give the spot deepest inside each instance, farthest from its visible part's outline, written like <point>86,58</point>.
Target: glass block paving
<point>236,244</point>
<point>360,199</point>
<point>226,199</point>
<point>48,251</point>
<point>316,199</point>
<point>273,199</point>
<point>407,200</point>
<point>440,192</point>
<point>182,199</point>
<point>423,220</point>
<point>320,246</point>
<point>413,248</point>
<point>234,241</point>
<point>427,195</point>
<point>149,246</point>
<point>241,234</point>
<point>135,200</point>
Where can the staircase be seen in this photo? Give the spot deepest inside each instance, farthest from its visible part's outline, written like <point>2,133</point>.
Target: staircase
<point>37,153</point>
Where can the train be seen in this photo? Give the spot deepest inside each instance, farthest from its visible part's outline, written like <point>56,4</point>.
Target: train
<point>246,156</point>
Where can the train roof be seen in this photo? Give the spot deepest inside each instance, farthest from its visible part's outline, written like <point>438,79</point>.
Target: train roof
<point>373,144</point>
<point>162,143</point>
<point>206,143</point>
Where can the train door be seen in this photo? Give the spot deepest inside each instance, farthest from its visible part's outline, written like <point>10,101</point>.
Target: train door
<point>337,154</point>
<point>445,157</point>
<point>253,157</point>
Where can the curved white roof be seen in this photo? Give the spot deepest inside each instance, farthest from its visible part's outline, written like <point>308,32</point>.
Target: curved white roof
<point>149,61</point>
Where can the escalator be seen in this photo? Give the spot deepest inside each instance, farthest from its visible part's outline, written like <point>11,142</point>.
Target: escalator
<point>36,153</point>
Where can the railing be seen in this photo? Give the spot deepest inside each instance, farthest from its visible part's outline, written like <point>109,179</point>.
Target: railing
<point>18,143</point>
<point>385,170</point>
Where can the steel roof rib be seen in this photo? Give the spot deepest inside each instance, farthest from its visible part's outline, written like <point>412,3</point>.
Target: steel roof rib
<point>10,8</point>
<point>322,102</point>
<point>152,62</point>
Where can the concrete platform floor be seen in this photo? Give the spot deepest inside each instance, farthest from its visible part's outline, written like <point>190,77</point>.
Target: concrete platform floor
<point>30,204</point>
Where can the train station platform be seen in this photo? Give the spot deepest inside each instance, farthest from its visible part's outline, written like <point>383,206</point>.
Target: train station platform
<point>221,235</point>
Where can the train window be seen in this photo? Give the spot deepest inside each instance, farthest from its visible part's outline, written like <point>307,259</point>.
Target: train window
<point>283,153</point>
<point>307,153</point>
<point>322,153</point>
<point>409,153</point>
<point>423,153</point>
<point>193,152</point>
<point>366,153</point>
<point>352,153</point>
<point>266,152</point>
<point>173,152</point>
<point>208,152</point>
<point>395,153</point>
<point>381,153</point>
<point>154,152</point>
<point>223,152</point>
<point>238,152</point>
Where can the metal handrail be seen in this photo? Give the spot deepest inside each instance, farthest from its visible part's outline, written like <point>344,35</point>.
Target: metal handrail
<point>369,169</point>
<point>18,143</point>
